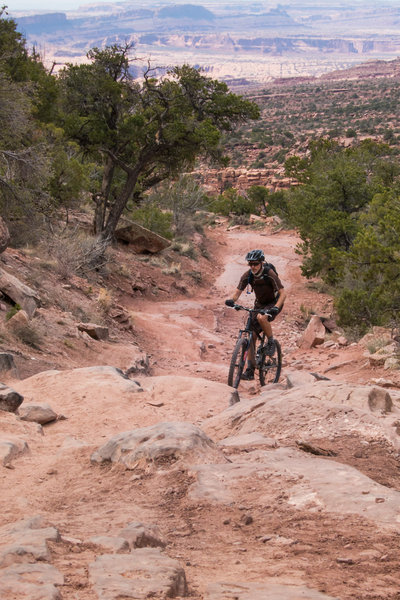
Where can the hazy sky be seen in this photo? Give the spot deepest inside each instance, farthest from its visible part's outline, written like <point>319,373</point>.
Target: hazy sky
<point>59,5</point>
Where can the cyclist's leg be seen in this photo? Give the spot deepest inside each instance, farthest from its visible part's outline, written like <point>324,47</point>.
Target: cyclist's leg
<point>263,322</point>
<point>265,325</point>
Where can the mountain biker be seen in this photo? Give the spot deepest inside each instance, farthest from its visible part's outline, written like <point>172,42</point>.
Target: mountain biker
<point>270,295</point>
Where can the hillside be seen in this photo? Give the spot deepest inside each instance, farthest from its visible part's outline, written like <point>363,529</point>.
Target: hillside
<point>347,105</point>
<point>292,492</point>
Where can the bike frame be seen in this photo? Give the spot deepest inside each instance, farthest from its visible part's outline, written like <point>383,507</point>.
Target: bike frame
<point>249,331</point>
<point>266,364</point>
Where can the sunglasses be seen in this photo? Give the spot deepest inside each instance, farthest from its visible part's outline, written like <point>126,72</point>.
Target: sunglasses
<point>253,264</point>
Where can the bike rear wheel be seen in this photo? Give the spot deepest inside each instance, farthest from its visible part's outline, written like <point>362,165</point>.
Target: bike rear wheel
<point>238,362</point>
<point>270,366</point>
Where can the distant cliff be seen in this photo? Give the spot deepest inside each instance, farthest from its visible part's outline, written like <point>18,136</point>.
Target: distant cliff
<point>185,11</point>
<point>37,24</point>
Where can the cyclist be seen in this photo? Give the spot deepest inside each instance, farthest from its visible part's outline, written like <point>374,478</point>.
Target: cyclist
<point>270,295</point>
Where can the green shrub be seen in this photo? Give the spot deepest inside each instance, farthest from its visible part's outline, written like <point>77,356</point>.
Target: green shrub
<point>153,218</point>
<point>231,202</point>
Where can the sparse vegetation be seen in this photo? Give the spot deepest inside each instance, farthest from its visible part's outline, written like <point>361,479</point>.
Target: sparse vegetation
<point>77,253</point>
<point>13,311</point>
<point>28,334</point>
<point>172,269</point>
<point>104,300</point>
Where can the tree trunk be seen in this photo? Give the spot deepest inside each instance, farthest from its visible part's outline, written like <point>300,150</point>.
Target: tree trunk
<point>101,199</point>
<point>118,206</point>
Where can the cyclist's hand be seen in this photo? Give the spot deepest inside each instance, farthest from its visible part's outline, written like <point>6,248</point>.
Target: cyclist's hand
<point>272,312</point>
<point>230,303</point>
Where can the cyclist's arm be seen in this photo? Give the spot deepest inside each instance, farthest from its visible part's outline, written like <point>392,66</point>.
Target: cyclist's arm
<point>236,294</point>
<point>281,298</point>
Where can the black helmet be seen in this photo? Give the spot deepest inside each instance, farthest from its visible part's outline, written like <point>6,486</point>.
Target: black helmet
<point>255,255</point>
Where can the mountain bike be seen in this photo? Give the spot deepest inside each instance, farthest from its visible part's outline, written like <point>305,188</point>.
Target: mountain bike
<point>269,367</point>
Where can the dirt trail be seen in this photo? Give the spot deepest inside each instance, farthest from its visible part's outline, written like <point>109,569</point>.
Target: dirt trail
<point>196,335</point>
<point>258,536</point>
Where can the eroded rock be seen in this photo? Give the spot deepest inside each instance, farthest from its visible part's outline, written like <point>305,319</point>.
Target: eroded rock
<point>19,293</point>
<point>314,333</point>
<point>140,238</point>
<point>26,541</point>
<point>10,400</point>
<point>164,443</point>
<point>11,447</point>
<point>110,543</point>
<point>38,413</point>
<point>28,581</point>
<point>270,590</point>
<point>96,332</point>
<point>140,535</point>
<point>142,574</point>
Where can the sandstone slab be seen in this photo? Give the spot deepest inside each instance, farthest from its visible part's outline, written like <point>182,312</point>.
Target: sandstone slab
<point>311,483</point>
<point>320,409</point>
<point>142,574</point>
<point>37,581</point>
<point>26,541</point>
<point>262,591</point>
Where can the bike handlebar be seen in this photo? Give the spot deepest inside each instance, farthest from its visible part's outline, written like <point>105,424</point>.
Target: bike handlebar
<point>252,310</point>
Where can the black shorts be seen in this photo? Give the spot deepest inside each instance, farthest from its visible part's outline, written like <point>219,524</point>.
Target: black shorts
<point>255,325</point>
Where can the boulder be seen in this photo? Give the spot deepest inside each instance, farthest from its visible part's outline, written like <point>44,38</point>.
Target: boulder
<point>19,320</point>
<point>142,574</point>
<point>96,332</point>
<point>10,400</point>
<point>392,363</point>
<point>160,444</point>
<point>10,448</point>
<point>378,335</point>
<point>142,239</point>
<point>329,324</point>
<point>19,293</point>
<point>38,413</point>
<point>314,333</point>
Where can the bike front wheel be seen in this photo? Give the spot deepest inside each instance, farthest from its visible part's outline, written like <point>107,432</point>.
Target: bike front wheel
<point>238,362</point>
<point>270,366</point>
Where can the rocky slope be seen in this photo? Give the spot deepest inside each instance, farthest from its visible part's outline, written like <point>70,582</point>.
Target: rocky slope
<point>128,472</point>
